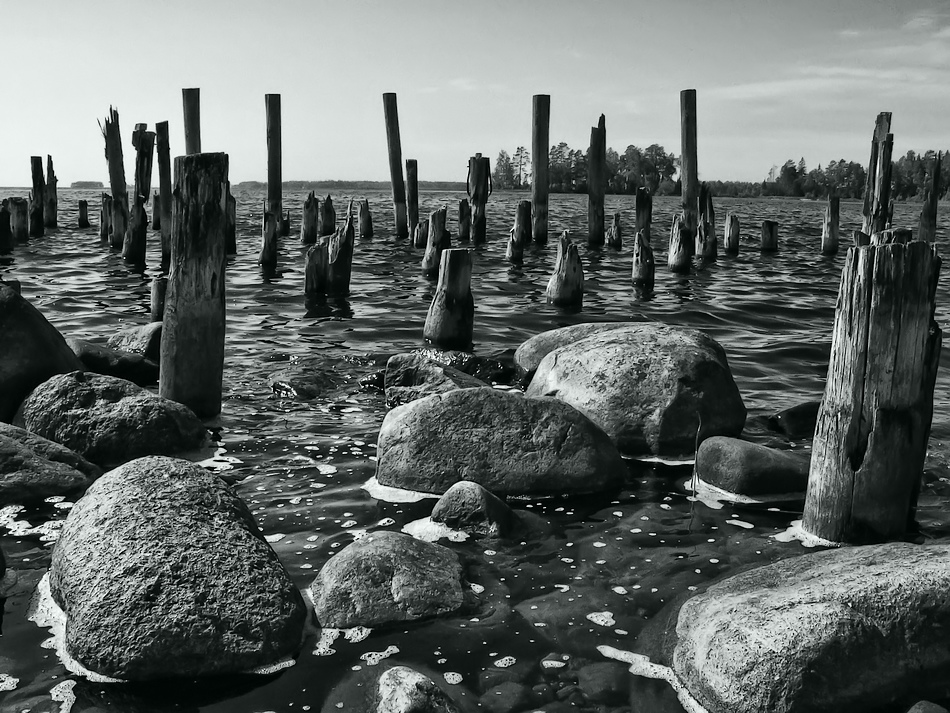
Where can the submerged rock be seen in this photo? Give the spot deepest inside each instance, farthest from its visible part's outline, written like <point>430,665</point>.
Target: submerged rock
<point>33,351</point>
<point>313,378</point>
<point>112,362</point>
<point>503,441</point>
<point>413,376</point>
<point>844,630</point>
<point>145,340</point>
<point>750,469</point>
<point>33,468</point>
<point>400,689</point>
<point>468,506</point>
<point>797,421</point>
<point>487,369</point>
<point>397,688</point>
<point>110,420</point>
<point>647,385</point>
<point>384,578</point>
<point>162,572</point>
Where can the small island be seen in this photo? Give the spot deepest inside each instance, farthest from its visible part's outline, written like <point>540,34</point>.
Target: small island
<point>86,184</point>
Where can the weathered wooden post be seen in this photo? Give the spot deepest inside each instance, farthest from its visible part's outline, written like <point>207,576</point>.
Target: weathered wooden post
<point>644,212</point>
<point>479,189</point>
<point>566,286</point>
<point>769,236</point>
<point>731,237</point>
<point>120,193</point>
<point>644,265</point>
<point>391,115</point>
<point>678,257</point>
<point>520,233</point>
<point>156,211</point>
<point>688,159</point>
<point>420,234</point>
<point>6,231</point>
<point>326,220</point>
<point>540,124</point>
<point>412,193</point>
<point>315,270</point>
<point>451,315</point>
<point>133,245</point>
<point>192,352</point>
<point>50,200</point>
<point>829,226</point>
<point>105,218</point>
<point>438,241</point>
<point>310,219</point>
<point>191,109</point>
<point>285,224</point>
<point>875,417</point>
<point>37,200</point>
<point>366,220</point>
<point>230,226</point>
<point>877,189</point>
<point>20,219</point>
<point>465,220</point>
<point>340,250</point>
<point>706,243</point>
<point>270,227</point>
<point>596,183</point>
<point>274,197</point>
<point>157,298</point>
<point>83,214</point>
<point>614,233</point>
<point>164,204</point>
<point>859,238</point>
<point>927,227</point>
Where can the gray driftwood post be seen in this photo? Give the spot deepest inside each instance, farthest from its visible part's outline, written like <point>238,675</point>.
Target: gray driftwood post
<point>596,183</point>
<point>678,257</point>
<point>270,227</point>
<point>566,286</point>
<point>706,243</point>
<point>731,234</point>
<point>769,236</point>
<point>644,212</point>
<point>191,109</point>
<point>829,226</point>
<point>164,205</point>
<point>859,238</point>
<point>420,237</point>
<point>877,189</point>
<point>156,211</point>
<point>615,233</point>
<point>37,200</point>
<point>20,219</point>
<point>192,353</point>
<point>6,231</point>
<point>274,197</point>
<point>309,219</point>
<point>329,263</point>
<point>540,124</point>
<point>927,227</point>
<point>391,116</point>
<point>50,200</point>
<point>83,214</point>
<point>520,233</point>
<point>450,319</point>
<point>438,241</point>
<point>365,220</point>
<point>479,189</point>
<point>465,220</point>
<point>133,245</point>
<point>157,298</point>
<point>644,265</point>
<point>874,422</point>
<point>412,194</point>
<point>285,224</point>
<point>105,218</point>
<point>688,159</point>
<point>326,217</point>
<point>117,184</point>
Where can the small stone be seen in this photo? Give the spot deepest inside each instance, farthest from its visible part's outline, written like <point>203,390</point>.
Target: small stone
<point>508,697</point>
<point>468,506</point>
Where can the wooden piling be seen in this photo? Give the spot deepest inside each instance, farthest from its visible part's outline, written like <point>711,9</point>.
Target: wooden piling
<point>877,188</point>
<point>191,108</point>
<point>37,200</point>
<point>731,234</point>
<point>156,211</point>
<point>50,200</point>
<point>270,227</point>
<point>829,226</point>
<point>326,223</point>
<point>644,265</point>
<point>310,219</point>
<point>566,286</point>
<point>329,262</point>
<point>420,234</point>
<point>164,204</point>
<point>438,240</point>
<point>479,189</point>
<point>465,220</point>
<point>678,257</point>
<point>157,298</point>
<point>391,115</point>
<point>520,233</point>
<point>769,236</point>
<point>105,218</point>
<point>120,193</point>
<point>596,183</point>
<point>706,240</point>
<point>6,231</point>
<point>874,422</point>
<point>540,124</point>
<point>274,197</point>
<point>412,193</point>
<point>19,219</point>
<point>449,321</point>
<point>644,212</point>
<point>285,224</point>
<point>365,220</point>
<point>133,244</point>
<point>688,159</point>
<point>192,351</point>
<point>230,226</point>
<point>614,233</point>
<point>859,238</point>
<point>83,214</point>
<point>927,226</point>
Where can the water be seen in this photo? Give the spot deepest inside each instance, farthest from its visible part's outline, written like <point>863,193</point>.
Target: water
<point>606,565</point>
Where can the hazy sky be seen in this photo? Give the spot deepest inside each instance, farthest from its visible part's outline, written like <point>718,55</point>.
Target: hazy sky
<point>774,79</point>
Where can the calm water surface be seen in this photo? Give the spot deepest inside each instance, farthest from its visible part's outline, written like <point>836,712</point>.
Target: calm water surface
<point>301,464</point>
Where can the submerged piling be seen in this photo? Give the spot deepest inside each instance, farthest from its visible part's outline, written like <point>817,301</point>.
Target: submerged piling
<point>83,221</point>
<point>566,286</point>
<point>644,212</point>
<point>479,189</point>
<point>769,236</point>
<point>37,200</point>
<point>614,233</point>
<point>678,257</point>
<point>394,144</point>
<point>465,220</point>
<point>50,200</point>
<point>540,124</point>
<point>520,232</point>
<point>731,234</point>
<point>105,218</point>
<point>309,219</point>
<point>412,193</point>
<point>437,241</point>
<point>365,220</point>
<point>596,183</point>
<point>449,321</point>
<point>644,264</point>
<point>829,227</point>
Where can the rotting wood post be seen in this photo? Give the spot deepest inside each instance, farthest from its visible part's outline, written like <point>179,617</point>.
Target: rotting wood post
<point>769,236</point>
<point>706,242</point>
<point>230,227</point>
<point>644,212</point>
<point>50,200</point>
<point>164,204</point>
<point>315,269</point>
<point>688,159</point>
<point>596,183</point>
<point>644,264</point>
<point>412,193</point>
<point>309,219</point>
<point>927,227</point>
<point>340,255</point>
<point>874,422</point>
<point>83,214</point>
<point>830,226</point>
<point>566,286</point>
<point>37,224</point>
<point>192,352</point>
<point>6,231</point>
<point>439,240</point>
<point>19,219</point>
<point>465,220</point>
<point>394,144</point>
<point>479,189</point>
<point>157,298</point>
<point>326,222</point>
<point>274,197</point>
<point>420,234</point>
<point>365,220</point>
<point>191,109</point>
<point>117,184</point>
<point>270,227</point>
<point>520,233</point>
<point>156,211</point>
<point>133,244</point>
<point>285,225</point>
<point>731,234</point>
<point>859,238</point>
<point>615,233</point>
<point>878,184</point>
<point>540,125</point>
<point>678,257</point>
<point>449,321</point>
<point>105,218</point>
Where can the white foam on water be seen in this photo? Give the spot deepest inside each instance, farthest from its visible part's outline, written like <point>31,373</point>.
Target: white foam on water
<point>276,537</point>
<point>796,532</point>
<point>374,657</point>
<point>324,646</point>
<point>741,523</point>
<point>326,468</point>
<point>505,662</point>
<point>272,668</point>
<point>389,494</point>
<point>477,588</point>
<point>429,531</point>
<point>641,665</point>
<point>357,634</point>
<point>550,663</point>
<point>619,590</point>
<point>603,618</point>
<point>714,497</point>
<point>452,678</point>
<point>63,694</point>
<point>666,460</point>
<point>7,682</point>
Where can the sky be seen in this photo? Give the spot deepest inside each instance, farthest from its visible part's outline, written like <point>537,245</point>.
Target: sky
<point>775,79</point>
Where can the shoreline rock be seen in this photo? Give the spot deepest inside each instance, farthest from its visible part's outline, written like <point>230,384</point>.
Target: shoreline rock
<point>33,468</point>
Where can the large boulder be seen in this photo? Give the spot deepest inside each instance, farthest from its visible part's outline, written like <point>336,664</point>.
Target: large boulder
<point>387,577</point>
<point>145,340</point>
<point>750,469</point>
<point>501,440</point>
<point>33,351</point>
<point>412,376</point>
<point>34,468</point>
<point>843,630</point>
<point>531,352</point>
<point>109,420</point>
<point>162,572</point>
<point>100,359</point>
<point>647,385</point>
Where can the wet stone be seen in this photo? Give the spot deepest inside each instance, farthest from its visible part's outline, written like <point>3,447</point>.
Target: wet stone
<point>126,365</point>
<point>33,468</point>
<point>605,682</point>
<point>412,376</point>
<point>508,697</point>
<point>145,340</point>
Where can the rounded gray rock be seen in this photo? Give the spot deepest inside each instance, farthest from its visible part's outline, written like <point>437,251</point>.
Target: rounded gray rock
<point>468,506</point>
<point>532,351</point>
<point>751,469</point>
<point>33,468</point>
<point>413,376</point>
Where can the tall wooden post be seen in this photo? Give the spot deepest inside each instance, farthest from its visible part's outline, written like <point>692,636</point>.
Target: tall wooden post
<point>395,164</point>
<point>877,190</point>
<point>274,198</point>
<point>927,227</point>
<point>191,106</point>
<point>644,212</point>
<point>875,417</point>
<point>596,183</point>
<point>120,192</point>
<point>520,233</point>
<point>164,205</point>
<point>37,224</point>
<point>479,188</point>
<point>50,201</point>
<point>689,171</point>
<point>450,319</point>
<point>731,234</point>
<point>133,245</point>
<point>192,353</point>
<point>412,193</point>
<point>540,124</point>
<point>829,227</point>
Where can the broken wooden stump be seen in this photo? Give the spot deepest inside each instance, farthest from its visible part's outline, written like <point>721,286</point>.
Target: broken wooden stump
<point>566,286</point>
<point>37,224</point>
<point>326,221</point>
<point>644,212</point>
<point>859,238</point>
<point>50,200</point>
<point>829,226</point>
<point>769,242</point>
<point>451,314</point>
<point>120,193</point>
<point>285,225</point>
<point>465,220</point>
<point>520,233</point>
<point>105,218</point>
<point>706,243</point>
<point>365,220</point>
<point>412,193</point>
<point>596,183</point>
<point>19,219</point>
<point>420,234</point>
<point>644,265</point>
<point>679,256</point>
<point>83,214</point>
<point>731,234</point>
<point>876,209</point>
<point>163,206</point>
<point>270,227</point>
<point>614,234</point>
<point>394,145</point>
<point>927,226</point>
<point>438,240</point>
<point>540,125</point>
<point>310,219</point>
<point>479,189</point>
<point>159,289</point>
<point>133,243</point>
<point>329,262</point>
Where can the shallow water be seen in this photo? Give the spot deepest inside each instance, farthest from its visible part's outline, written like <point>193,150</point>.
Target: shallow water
<point>606,565</point>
